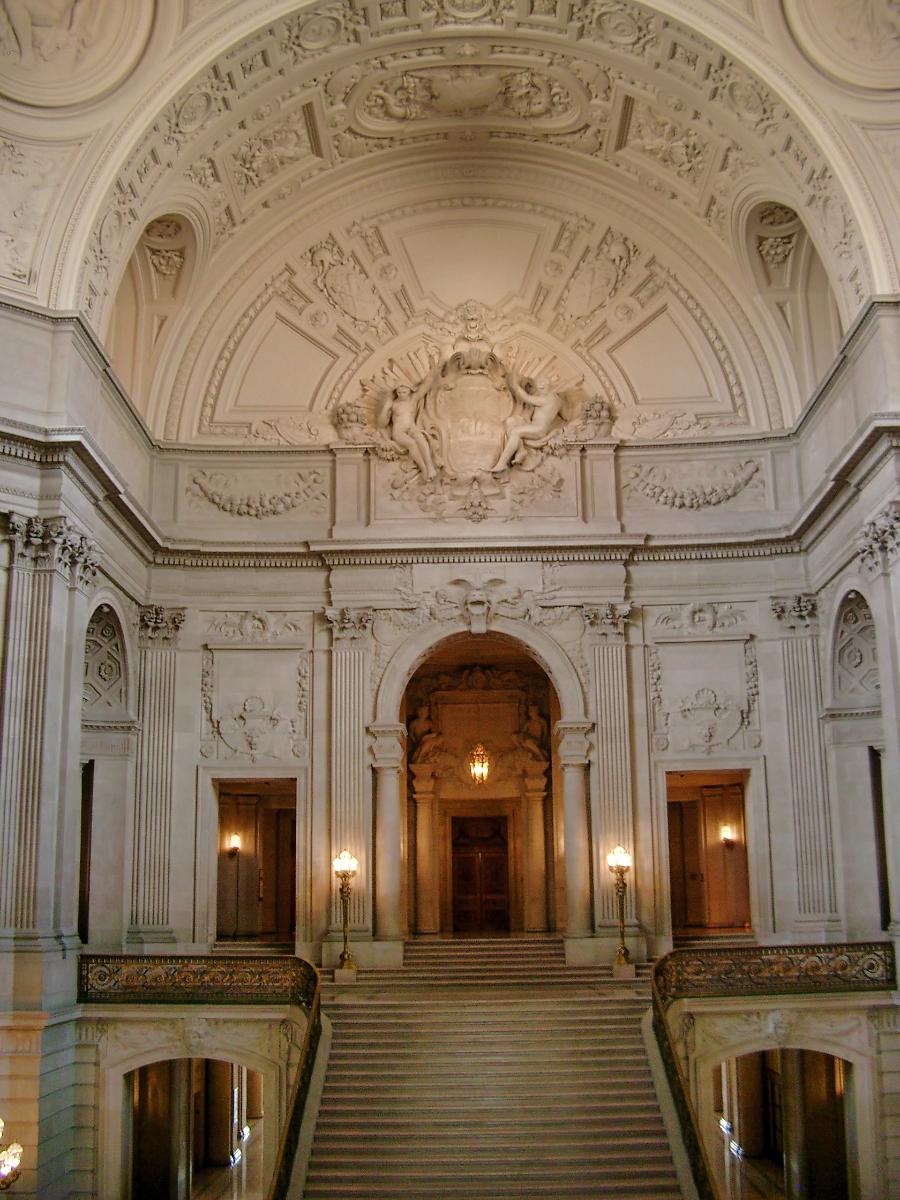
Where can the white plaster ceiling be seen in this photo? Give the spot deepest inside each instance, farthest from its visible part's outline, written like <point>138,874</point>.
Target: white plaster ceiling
<point>345,178</point>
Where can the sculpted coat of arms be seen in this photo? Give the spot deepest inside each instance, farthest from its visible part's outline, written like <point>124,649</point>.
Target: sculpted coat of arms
<point>473,431</point>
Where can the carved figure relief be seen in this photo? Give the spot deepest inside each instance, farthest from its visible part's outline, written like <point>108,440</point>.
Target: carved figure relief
<point>64,51</point>
<point>472,91</point>
<point>468,427</point>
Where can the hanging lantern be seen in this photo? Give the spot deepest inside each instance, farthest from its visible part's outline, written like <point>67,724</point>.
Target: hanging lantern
<point>479,764</point>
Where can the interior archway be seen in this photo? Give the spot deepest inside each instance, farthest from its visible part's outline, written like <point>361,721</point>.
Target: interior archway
<point>484,855</point>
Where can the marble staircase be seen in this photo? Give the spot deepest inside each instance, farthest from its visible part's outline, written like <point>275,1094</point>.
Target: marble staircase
<point>491,1070</point>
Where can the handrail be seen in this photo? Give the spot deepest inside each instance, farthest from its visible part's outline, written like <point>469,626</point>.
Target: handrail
<point>701,1168</point>
<point>717,971</point>
<point>196,979</point>
<point>220,979</point>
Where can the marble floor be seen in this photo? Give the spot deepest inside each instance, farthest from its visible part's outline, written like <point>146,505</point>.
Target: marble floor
<point>241,1182</point>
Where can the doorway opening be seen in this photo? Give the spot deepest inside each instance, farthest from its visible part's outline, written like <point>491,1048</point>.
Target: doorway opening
<point>480,875</point>
<point>783,1114</point>
<point>196,1130</point>
<point>256,882</point>
<point>708,868</point>
<point>484,851</point>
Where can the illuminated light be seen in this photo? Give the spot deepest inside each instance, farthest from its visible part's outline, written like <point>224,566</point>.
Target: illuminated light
<point>479,764</point>
<point>619,859</point>
<point>234,843</point>
<point>727,835</point>
<point>345,864</point>
<point>10,1161</point>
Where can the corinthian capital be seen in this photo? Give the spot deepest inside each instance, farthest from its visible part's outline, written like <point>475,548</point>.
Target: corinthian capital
<point>158,626</point>
<point>879,545</point>
<point>53,544</point>
<point>348,623</point>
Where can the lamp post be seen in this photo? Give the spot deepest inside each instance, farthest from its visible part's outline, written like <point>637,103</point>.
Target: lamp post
<point>10,1158</point>
<point>619,862</point>
<point>345,867</point>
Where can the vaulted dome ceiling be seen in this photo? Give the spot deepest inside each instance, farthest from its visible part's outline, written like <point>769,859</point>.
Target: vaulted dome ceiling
<point>599,191</point>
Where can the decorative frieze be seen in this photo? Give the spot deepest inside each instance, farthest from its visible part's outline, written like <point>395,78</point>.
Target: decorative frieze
<point>250,726</point>
<point>305,490</point>
<point>699,618</point>
<point>685,485</point>
<point>258,627</point>
<point>711,717</point>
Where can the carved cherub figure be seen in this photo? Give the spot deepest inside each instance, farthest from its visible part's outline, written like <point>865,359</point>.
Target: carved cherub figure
<point>545,403</point>
<point>399,411</point>
<point>55,19</point>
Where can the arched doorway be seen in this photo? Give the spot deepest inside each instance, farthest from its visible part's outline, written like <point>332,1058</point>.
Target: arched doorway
<point>482,855</point>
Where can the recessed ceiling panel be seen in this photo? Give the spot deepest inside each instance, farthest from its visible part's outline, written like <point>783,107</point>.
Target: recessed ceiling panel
<point>660,364</point>
<point>284,373</point>
<point>459,259</point>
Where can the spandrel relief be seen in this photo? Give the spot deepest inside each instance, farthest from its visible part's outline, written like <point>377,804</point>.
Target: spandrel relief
<point>477,433</point>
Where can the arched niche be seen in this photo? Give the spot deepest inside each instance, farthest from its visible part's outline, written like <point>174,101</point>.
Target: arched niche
<point>855,681</point>
<point>793,285</point>
<point>108,735</point>
<point>152,291</point>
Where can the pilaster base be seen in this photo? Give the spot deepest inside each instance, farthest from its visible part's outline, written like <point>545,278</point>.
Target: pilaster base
<point>601,948</point>
<point>158,940</point>
<point>373,953</point>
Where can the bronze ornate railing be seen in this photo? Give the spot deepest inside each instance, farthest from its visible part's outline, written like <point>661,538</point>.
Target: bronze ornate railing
<point>752,971</point>
<point>200,979</point>
<point>196,979</point>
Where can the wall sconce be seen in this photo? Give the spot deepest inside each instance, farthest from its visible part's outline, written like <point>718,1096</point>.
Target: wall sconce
<point>234,844</point>
<point>726,833</point>
<point>345,867</point>
<point>619,862</point>
<point>479,764</point>
<point>10,1158</point>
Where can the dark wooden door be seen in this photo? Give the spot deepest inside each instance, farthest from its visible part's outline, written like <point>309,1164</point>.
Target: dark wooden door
<point>686,864</point>
<point>480,875</point>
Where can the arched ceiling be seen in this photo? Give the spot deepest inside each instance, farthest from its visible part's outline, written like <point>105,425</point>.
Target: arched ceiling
<point>348,186</point>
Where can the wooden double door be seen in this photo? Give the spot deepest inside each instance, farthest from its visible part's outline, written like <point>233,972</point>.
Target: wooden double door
<point>480,874</point>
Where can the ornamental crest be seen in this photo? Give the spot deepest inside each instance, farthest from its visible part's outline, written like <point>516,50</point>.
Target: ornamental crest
<point>474,429</point>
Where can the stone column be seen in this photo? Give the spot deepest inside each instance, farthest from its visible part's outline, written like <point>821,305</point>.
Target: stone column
<point>387,758</point>
<point>616,814</point>
<point>48,559</point>
<point>817,913</point>
<point>535,899</point>
<point>351,819</point>
<point>573,756</point>
<point>428,916</point>
<point>150,922</point>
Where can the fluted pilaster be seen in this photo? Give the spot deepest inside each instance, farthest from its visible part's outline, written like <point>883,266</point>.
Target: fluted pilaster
<point>48,557</point>
<point>616,819</point>
<point>151,864</point>
<point>350,825</point>
<point>814,842</point>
